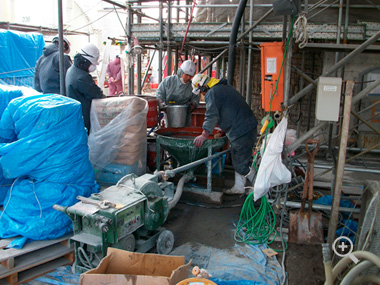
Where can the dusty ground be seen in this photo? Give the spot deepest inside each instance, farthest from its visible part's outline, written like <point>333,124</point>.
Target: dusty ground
<point>213,225</point>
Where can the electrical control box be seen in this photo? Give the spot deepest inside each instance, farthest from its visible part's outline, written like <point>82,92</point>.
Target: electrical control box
<point>272,77</point>
<point>328,98</point>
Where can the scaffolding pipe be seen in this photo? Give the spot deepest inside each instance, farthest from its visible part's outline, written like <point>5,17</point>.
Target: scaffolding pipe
<point>147,70</point>
<point>168,49</point>
<point>250,58</point>
<point>161,44</point>
<point>61,55</point>
<point>139,67</point>
<point>288,65</point>
<point>232,42</point>
<point>335,67</point>
<point>242,36</point>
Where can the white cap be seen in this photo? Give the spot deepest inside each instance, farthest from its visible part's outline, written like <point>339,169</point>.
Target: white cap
<point>91,53</point>
<point>188,67</point>
<point>198,81</point>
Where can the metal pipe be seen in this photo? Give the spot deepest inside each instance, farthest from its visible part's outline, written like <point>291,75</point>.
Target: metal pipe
<point>239,38</point>
<point>173,172</point>
<point>346,168</point>
<point>168,49</point>
<point>340,64</point>
<point>346,21</point>
<point>288,66</point>
<point>340,11</point>
<point>333,222</point>
<point>147,70</point>
<point>160,44</point>
<point>248,98</point>
<point>315,206</point>
<point>242,62</point>
<point>61,51</point>
<point>131,89</point>
<point>138,66</point>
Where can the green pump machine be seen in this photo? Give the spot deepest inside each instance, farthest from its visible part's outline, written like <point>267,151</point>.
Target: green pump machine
<point>130,214</point>
<point>127,215</point>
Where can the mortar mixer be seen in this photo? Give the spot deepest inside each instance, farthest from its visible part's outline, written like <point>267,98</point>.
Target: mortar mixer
<point>130,214</point>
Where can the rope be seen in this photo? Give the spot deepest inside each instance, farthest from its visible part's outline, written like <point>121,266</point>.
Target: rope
<point>301,31</point>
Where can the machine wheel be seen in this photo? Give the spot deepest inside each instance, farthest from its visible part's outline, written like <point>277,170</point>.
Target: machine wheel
<point>126,243</point>
<point>165,242</point>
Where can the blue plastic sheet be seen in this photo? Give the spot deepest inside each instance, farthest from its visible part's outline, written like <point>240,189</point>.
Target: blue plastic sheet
<point>19,53</point>
<point>48,158</point>
<point>242,264</point>
<point>7,93</point>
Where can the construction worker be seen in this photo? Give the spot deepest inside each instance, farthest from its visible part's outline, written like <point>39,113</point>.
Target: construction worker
<point>46,76</point>
<point>114,77</point>
<point>79,83</point>
<point>177,89</point>
<point>227,108</point>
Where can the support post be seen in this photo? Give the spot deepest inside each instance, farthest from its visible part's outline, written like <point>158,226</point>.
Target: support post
<point>341,162</point>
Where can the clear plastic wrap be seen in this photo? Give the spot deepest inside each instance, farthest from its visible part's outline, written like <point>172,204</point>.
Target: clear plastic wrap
<point>118,139</point>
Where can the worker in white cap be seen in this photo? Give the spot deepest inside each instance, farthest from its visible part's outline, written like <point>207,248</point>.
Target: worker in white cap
<point>227,108</point>
<point>46,75</point>
<point>79,83</point>
<point>177,89</point>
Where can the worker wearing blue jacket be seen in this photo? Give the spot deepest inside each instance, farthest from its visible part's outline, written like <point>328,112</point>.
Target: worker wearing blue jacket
<point>79,83</point>
<point>227,108</point>
<point>46,75</point>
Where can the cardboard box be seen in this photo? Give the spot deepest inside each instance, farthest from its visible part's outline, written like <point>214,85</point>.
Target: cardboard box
<point>125,267</point>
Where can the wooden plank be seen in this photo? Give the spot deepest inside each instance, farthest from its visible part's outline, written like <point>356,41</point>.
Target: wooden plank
<point>4,242</point>
<point>36,258</point>
<point>5,254</point>
<point>42,269</point>
<point>9,264</point>
<point>37,271</point>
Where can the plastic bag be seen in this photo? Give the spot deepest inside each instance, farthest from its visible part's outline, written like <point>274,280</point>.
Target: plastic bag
<point>118,135</point>
<point>272,171</point>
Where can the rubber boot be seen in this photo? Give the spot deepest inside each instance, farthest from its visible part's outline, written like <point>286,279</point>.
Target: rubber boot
<point>238,187</point>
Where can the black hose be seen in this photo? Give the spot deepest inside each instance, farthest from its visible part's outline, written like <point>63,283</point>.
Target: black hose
<point>232,43</point>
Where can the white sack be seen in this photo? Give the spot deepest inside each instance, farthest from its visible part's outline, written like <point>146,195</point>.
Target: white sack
<point>272,171</point>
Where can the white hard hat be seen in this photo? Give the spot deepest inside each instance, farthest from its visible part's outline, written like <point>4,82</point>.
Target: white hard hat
<point>66,40</point>
<point>198,81</point>
<point>91,53</point>
<point>188,67</point>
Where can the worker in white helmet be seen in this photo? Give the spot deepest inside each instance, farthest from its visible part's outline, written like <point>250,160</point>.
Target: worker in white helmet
<point>177,89</point>
<point>46,75</point>
<point>79,83</point>
<point>227,108</point>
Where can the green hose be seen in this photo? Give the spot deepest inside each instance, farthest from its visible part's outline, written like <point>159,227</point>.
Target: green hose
<point>256,226</point>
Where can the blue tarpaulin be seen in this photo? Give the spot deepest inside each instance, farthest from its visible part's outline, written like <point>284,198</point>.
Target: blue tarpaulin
<point>47,156</point>
<point>19,53</point>
<point>7,93</point>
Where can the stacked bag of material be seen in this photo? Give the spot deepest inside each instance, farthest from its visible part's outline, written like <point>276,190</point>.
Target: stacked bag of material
<point>47,156</point>
<point>117,141</point>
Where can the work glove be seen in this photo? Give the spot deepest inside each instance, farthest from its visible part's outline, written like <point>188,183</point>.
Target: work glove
<point>161,104</point>
<point>192,106</point>
<point>219,134</point>
<point>199,140</point>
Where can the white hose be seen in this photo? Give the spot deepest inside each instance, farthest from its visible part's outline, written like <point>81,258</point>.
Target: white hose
<point>366,279</point>
<point>344,262</point>
<point>355,271</point>
<point>178,191</point>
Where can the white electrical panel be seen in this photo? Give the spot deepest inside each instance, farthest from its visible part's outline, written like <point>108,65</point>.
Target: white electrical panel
<point>328,98</point>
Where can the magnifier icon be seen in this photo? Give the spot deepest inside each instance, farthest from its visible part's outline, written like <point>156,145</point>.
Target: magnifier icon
<point>343,248</point>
